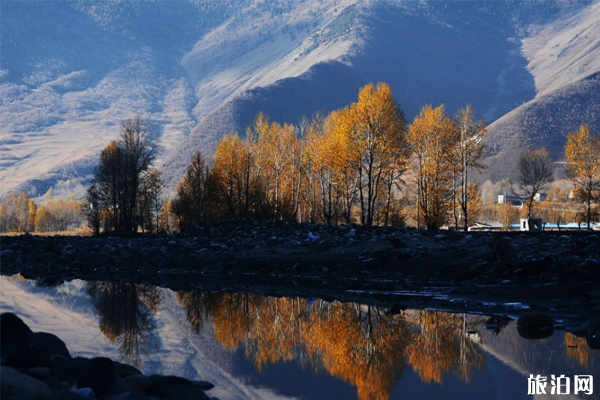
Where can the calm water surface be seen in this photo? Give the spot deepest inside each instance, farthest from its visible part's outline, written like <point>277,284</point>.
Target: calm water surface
<point>258,347</point>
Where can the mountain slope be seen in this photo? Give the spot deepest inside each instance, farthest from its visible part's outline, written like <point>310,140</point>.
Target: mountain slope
<point>464,56</point>
<point>564,59</point>
<point>71,71</point>
<point>542,122</point>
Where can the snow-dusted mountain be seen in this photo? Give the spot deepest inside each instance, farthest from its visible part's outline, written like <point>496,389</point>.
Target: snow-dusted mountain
<point>71,71</point>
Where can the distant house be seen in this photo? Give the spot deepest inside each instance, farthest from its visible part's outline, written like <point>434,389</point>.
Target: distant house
<point>531,225</point>
<point>486,226</point>
<point>517,201</point>
<point>510,199</point>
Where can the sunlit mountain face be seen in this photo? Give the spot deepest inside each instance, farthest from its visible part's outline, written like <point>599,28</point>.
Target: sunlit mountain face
<point>253,346</point>
<point>72,71</point>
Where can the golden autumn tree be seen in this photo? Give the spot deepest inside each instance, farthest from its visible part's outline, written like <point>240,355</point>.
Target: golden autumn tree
<point>342,163</point>
<point>279,145</point>
<point>17,213</point>
<point>257,135</point>
<point>583,165</point>
<point>433,136</point>
<point>233,176</point>
<point>318,196</point>
<point>167,219</point>
<point>373,134</point>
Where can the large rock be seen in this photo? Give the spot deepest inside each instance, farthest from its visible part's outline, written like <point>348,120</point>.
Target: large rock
<point>68,395</point>
<point>133,395</point>
<point>24,357</point>
<point>96,373</point>
<point>535,320</point>
<point>535,325</point>
<point>124,370</point>
<point>141,383</point>
<point>47,343</point>
<point>176,388</point>
<point>14,383</point>
<point>13,330</point>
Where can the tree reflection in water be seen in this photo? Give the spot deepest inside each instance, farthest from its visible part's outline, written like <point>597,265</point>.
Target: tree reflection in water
<point>126,315</point>
<point>440,345</point>
<point>363,345</point>
<point>578,349</point>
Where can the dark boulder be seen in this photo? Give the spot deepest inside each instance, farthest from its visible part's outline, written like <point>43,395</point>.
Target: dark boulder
<point>176,388</point>
<point>97,373</point>
<point>535,325</point>
<point>141,383</point>
<point>65,394</point>
<point>536,320</point>
<point>47,343</point>
<point>14,383</point>
<point>133,395</point>
<point>24,357</point>
<point>13,330</point>
<point>124,370</point>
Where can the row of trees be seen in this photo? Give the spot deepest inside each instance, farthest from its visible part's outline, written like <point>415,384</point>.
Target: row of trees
<point>536,174</point>
<point>360,164</point>
<point>19,213</point>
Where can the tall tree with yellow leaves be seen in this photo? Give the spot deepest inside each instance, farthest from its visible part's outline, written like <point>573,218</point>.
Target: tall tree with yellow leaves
<point>583,165</point>
<point>372,134</point>
<point>433,136</point>
<point>257,136</point>
<point>233,176</point>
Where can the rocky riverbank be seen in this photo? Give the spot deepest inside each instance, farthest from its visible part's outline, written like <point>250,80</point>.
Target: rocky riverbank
<point>38,365</point>
<point>553,269</point>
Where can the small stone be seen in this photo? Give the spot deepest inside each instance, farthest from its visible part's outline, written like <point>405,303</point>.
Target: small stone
<point>440,236</point>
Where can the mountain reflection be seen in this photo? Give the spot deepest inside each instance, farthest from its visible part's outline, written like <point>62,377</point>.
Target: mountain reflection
<point>366,346</point>
<point>126,315</point>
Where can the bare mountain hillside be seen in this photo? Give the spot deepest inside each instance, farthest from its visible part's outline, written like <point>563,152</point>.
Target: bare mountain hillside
<point>71,71</point>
